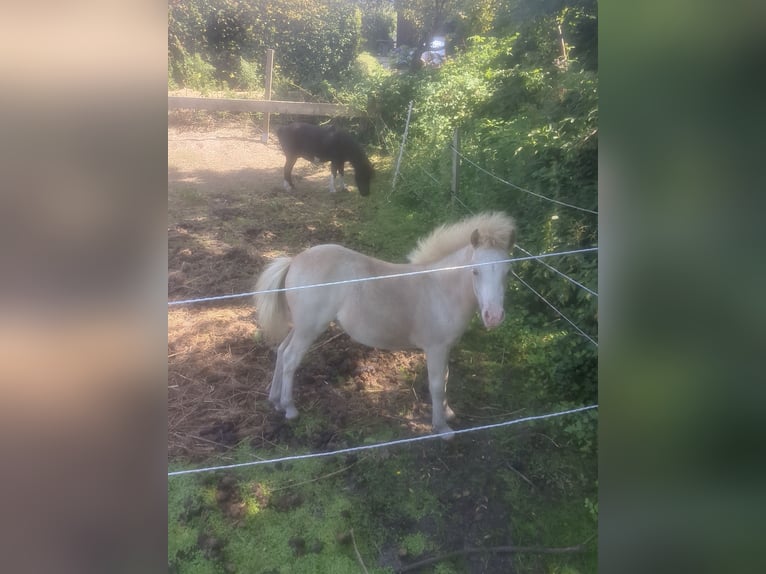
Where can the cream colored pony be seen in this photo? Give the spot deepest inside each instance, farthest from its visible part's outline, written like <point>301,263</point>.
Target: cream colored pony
<point>427,311</point>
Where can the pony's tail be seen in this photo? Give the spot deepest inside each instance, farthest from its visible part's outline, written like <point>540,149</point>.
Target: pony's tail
<point>271,308</point>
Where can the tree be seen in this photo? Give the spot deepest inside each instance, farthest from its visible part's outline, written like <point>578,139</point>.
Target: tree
<point>316,40</point>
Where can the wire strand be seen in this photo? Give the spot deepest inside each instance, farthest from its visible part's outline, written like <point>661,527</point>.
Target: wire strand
<point>377,445</point>
<point>376,278</point>
<point>564,275</point>
<point>477,166</point>
<point>583,333</point>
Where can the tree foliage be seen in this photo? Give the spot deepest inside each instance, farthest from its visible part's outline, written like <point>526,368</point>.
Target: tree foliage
<point>315,40</point>
<point>378,25</point>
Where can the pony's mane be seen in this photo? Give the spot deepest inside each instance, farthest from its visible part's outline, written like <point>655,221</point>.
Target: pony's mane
<point>496,230</point>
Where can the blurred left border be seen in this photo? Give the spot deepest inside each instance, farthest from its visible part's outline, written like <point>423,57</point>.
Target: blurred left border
<point>83,299</point>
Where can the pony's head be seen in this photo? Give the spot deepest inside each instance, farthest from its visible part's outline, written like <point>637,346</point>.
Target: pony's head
<point>490,236</point>
<point>363,171</point>
<point>489,277</point>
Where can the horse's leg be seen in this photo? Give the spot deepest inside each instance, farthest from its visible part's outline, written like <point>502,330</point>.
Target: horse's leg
<point>449,414</point>
<point>288,171</point>
<point>333,173</point>
<point>436,360</point>
<point>275,392</point>
<point>340,171</point>
<point>299,342</point>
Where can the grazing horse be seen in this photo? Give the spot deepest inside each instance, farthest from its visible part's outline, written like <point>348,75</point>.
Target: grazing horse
<point>428,311</point>
<point>323,144</point>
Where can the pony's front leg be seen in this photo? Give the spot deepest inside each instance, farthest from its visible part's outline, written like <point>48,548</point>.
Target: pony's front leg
<point>288,172</point>
<point>438,372</point>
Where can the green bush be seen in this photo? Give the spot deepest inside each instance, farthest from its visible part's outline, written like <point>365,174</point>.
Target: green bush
<point>378,26</point>
<point>361,85</point>
<point>198,74</point>
<point>250,75</point>
<point>452,95</point>
<point>315,40</point>
<point>172,84</point>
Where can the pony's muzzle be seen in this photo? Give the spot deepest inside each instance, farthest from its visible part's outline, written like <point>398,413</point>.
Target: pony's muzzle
<point>492,317</point>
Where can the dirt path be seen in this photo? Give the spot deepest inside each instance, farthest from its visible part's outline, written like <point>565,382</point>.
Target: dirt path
<point>228,215</point>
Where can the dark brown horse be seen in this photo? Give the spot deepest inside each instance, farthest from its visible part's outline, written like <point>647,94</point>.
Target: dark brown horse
<point>323,144</point>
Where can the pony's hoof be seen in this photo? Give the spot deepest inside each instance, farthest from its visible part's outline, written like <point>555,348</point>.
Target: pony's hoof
<point>449,414</point>
<point>445,432</point>
<point>286,184</point>
<point>291,412</point>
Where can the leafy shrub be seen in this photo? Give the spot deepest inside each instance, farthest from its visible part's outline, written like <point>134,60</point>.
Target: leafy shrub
<point>363,80</point>
<point>378,25</point>
<point>250,75</point>
<point>198,74</point>
<point>314,40</point>
<point>172,84</point>
<point>414,544</point>
<point>452,95</point>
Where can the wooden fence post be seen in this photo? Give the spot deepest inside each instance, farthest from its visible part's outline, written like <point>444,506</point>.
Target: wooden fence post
<point>267,93</point>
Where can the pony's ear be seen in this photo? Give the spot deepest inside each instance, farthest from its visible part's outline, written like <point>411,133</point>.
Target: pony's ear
<point>475,238</point>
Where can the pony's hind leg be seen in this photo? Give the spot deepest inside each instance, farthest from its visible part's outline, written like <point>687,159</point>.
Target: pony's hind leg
<point>335,169</point>
<point>333,173</point>
<point>275,391</point>
<point>339,166</point>
<point>295,349</point>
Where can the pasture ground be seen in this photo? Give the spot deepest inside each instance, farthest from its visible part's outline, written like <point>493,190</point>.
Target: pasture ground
<point>228,215</point>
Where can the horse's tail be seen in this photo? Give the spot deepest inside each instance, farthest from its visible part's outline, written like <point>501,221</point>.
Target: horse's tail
<point>271,308</point>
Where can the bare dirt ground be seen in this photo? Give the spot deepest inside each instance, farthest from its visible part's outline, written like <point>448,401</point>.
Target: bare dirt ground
<point>228,216</point>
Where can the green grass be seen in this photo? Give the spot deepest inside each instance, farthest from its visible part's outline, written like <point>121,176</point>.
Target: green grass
<point>190,196</point>
<point>389,225</point>
<point>300,519</point>
<point>415,544</point>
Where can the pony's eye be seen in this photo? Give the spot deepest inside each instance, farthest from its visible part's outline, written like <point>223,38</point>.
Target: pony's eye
<point>475,271</point>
